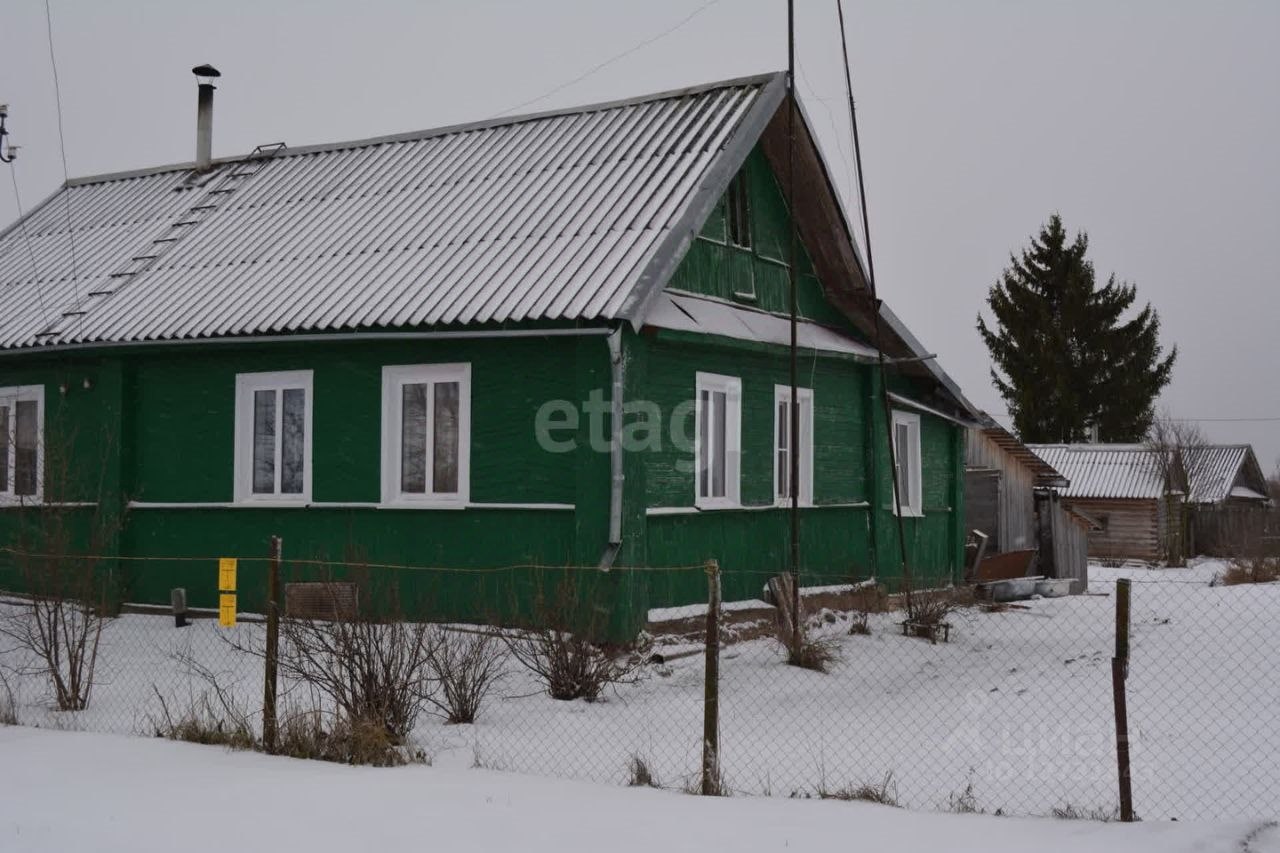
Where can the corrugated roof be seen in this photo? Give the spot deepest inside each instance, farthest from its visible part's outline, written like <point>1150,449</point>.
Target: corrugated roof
<point>689,313</point>
<point>1105,470</point>
<point>551,217</point>
<point>1212,470</point>
<point>1134,470</point>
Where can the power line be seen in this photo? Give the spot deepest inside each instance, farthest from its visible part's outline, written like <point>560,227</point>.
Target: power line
<point>22,226</point>
<point>62,147</point>
<point>602,65</point>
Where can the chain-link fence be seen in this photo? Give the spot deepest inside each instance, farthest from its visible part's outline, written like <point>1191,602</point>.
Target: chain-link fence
<point>1008,707</point>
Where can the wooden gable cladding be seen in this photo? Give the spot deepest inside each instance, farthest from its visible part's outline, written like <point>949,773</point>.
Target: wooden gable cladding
<point>824,231</point>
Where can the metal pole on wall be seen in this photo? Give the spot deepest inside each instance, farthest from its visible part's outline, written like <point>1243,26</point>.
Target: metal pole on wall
<point>1120,672</point>
<point>711,693</point>
<point>270,678</point>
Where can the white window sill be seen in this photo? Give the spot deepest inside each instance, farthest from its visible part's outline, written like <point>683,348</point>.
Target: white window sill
<point>908,512</point>
<point>716,503</point>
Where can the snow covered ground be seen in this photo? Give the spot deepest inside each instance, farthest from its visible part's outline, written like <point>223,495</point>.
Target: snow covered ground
<point>1014,713</point>
<point>64,791</point>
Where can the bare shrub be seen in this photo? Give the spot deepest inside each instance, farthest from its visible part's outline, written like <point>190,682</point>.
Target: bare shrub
<point>929,606</point>
<point>371,664</point>
<point>55,629</point>
<point>641,775</point>
<point>370,670</point>
<point>561,649</point>
<point>467,666</point>
<point>345,740</point>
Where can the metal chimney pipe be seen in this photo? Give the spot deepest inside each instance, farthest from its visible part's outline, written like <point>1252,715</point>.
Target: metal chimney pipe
<point>204,116</point>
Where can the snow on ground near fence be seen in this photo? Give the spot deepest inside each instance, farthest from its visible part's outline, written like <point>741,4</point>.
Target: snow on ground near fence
<point>62,791</point>
<point>1016,709</point>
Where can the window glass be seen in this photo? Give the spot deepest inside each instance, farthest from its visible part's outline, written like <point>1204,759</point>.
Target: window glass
<point>26,440</point>
<point>264,442</point>
<point>444,473</point>
<point>293,440</point>
<point>413,438</point>
<point>4,448</point>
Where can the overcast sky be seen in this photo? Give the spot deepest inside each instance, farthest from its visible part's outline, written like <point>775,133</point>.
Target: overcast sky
<point>1152,125</point>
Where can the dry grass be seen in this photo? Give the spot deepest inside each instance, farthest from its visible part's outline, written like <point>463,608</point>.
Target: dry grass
<point>641,775</point>
<point>818,654</point>
<point>320,737</point>
<point>1258,569</point>
<point>858,624</point>
<point>884,793</point>
<point>1098,813</point>
<point>8,704</point>
<point>206,723</point>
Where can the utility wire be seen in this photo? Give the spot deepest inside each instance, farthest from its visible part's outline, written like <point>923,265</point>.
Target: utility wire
<point>610,61</point>
<point>26,237</point>
<point>62,147</point>
<point>875,300</point>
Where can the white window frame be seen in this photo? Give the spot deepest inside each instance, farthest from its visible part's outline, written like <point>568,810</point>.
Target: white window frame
<point>731,387</point>
<point>246,385</point>
<point>9,397</point>
<point>915,507</point>
<point>782,395</point>
<point>394,377</point>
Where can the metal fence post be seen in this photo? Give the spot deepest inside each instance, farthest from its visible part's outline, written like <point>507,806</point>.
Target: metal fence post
<point>711,695</point>
<point>1119,672</point>
<point>270,678</point>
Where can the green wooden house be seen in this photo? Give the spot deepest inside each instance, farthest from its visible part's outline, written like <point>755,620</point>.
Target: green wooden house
<point>554,340</point>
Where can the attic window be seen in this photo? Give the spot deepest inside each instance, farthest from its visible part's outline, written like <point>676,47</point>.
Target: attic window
<point>738,212</point>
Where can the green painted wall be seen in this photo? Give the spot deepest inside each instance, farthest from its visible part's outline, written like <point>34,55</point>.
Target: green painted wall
<point>156,425</point>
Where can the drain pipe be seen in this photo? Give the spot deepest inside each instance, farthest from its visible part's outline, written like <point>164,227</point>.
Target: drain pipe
<point>617,475</point>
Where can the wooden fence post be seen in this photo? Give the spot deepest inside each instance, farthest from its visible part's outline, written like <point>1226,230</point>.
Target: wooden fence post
<point>1119,673</point>
<point>711,695</point>
<point>270,679</point>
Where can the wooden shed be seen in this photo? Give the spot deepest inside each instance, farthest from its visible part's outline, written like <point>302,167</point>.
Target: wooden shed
<point>1014,497</point>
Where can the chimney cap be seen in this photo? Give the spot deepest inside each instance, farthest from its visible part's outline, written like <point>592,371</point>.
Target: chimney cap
<point>206,70</point>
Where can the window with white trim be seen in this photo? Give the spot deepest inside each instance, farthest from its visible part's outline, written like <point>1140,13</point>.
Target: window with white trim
<point>906,460</point>
<point>783,446</point>
<point>273,437</point>
<point>426,434</point>
<point>21,444</point>
<point>717,447</point>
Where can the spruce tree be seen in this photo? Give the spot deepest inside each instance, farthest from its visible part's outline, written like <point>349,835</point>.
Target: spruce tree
<point>1064,356</point>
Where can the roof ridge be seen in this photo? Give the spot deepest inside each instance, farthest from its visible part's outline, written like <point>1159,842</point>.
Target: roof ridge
<point>442,130</point>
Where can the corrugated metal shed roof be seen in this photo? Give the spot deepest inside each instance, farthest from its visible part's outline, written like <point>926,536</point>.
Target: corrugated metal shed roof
<point>1105,470</point>
<point>550,217</point>
<point>1134,470</point>
<point>1213,470</point>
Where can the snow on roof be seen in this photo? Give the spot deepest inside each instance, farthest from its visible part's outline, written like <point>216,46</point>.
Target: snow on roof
<point>1105,470</point>
<point>1214,469</point>
<point>1134,470</point>
<point>555,216</point>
